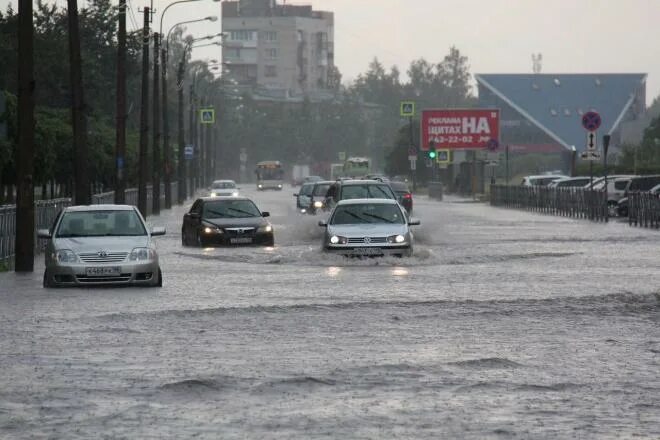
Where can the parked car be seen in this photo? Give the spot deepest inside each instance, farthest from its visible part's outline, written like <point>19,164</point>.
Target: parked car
<point>311,179</point>
<point>570,182</point>
<point>226,221</point>
<point>357,189</point>
<point>541,180</point>
<point>403,195</point>
<point>311,197</point>
<point>368,227</point>
<point>221,188</point>
<point>101,244</point>
<point>636,184</point>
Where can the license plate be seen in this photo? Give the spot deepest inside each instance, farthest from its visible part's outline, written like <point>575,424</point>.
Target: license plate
<point>367,251</point>
<point>240,240</point>
<point>103,271</point>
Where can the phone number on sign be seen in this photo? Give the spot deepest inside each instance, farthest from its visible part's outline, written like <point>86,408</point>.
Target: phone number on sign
<point>453,139</point>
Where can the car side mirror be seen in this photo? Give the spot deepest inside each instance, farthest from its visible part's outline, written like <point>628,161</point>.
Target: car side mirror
<point>44,233</point>
<point>323,223</point>
<point>194,215</point>
<point>157,230</point>
<point>265,214</point>
<point>295,195</point>
<point>414,222</point>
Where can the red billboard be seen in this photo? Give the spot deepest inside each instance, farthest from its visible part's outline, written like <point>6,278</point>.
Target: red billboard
<point>461,128</point>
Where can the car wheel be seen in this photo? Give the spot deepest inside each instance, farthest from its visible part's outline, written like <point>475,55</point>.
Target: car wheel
<point>200,242</point>
<point>159,281</point>
<point>184,242</point>
<point>271,242</point>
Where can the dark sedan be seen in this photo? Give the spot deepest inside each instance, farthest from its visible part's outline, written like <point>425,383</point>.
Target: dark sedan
<point>403,195</point>
<point>226,221</point>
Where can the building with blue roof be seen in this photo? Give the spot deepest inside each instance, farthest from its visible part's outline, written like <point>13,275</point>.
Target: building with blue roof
<point>543,112</point>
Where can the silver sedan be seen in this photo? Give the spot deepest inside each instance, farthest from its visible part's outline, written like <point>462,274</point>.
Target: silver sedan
<point>369,227</point>
<point>101,244</point>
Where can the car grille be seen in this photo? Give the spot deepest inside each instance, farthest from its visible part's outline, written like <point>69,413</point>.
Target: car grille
<point>109,257</point>
<point>367,240</point>
<point>240,232</point>
<point>123,278</point>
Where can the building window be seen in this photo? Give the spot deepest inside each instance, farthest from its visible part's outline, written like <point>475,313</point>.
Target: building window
<point>241,35</point>
<point>271,54</point>
<point>270,36</point>
<point>270,71</point>
<point>232,53</point>
<point>553,112</point>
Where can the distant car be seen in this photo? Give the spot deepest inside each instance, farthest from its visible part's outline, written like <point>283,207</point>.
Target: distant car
<point>311,198</point>
<point>570,182</point>
<point>221,188</point>
<point>312,179</point>
<point>357,189</point>
<point>368,227</point>
<point>541,180</point>
<point>403,195</point>
<point>226,221</point>
<point>634,185</point>
<point>101,244</point>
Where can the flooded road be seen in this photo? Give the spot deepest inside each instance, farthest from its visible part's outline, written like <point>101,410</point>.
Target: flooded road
<point>504,324</point>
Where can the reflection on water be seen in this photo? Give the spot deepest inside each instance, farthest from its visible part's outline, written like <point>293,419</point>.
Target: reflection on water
<point>400,271</point>
<point>333,271</point>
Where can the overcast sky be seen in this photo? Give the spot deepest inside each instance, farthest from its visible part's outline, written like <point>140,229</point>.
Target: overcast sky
<point>498,36</point>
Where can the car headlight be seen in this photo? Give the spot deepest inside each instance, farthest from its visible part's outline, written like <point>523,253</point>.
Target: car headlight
<point>267,228</point>
<point>260,185</point>
<point>303,210</point>
<point>66,256</point>
<point>210,229</point>
<point>279,186</point>
<point>396,239</point>
<point>318,204</point>
<point>213,194</point>
<point>234,194</point>
<point>142,254</point>
<point>336,239</point>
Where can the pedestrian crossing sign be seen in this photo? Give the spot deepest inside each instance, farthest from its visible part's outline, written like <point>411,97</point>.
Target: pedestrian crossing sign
<point>207,116</point>
<point>407,109</point>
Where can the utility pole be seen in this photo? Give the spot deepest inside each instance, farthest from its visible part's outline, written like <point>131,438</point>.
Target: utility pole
<point>24,249</point>
<point>193,140</point>
<point>82,194</point>
<point>208,162</point>
<point>144,119</point>
<point>120,147</point>
<point>167,148</point>
<point>183,179</point>
<point>155,179</point>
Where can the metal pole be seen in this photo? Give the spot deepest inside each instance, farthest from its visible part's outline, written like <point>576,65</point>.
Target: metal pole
<point>606,146</point>
<point>120,131</point>
<point>412,144</point>
<point>183,179</point>
<point>156,165</point>
<point>506,160</point>
<point>144,119</point>
<point>167,148</point>
<point>82,194</point>
<point>193,135</point>
<point>24,247</point>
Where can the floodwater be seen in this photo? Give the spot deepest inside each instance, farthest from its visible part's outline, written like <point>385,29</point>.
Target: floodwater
<point>504,324</point>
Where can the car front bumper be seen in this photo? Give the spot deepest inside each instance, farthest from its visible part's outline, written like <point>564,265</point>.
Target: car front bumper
<point>215,239</point>
<point>75,274</point>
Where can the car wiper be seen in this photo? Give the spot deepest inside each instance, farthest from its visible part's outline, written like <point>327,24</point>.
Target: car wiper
<point>219,214</point>
<point>354,215</point>
<point>386,220</point>
<point>71,235</point>
<point>249,214</point>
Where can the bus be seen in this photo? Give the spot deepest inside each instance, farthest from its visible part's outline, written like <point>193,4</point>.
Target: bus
<point>353,167</point>
<point>270,175</point>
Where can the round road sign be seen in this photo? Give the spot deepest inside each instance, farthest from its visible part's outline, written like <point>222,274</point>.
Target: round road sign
<point>591,121</point>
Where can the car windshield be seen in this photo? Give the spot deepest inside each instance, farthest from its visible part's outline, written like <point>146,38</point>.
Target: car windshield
<point>366,192</point>
<point>102,223</point>
<point>367,213</point>
<point>230,209</point>
<point>321,190</point>
<point>223,185</point>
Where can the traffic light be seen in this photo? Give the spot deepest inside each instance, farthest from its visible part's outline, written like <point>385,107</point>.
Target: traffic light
<point>432,153</point>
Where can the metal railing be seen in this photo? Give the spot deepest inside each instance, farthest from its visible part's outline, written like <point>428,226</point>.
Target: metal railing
<point>644,210</point>
<point>566,202</point>
<point>47,210</point>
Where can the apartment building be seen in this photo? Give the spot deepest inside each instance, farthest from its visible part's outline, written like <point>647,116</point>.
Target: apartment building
<point>278,48</point>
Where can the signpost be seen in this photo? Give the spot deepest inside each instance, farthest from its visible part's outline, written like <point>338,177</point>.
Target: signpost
<point>342,156</point>
<point>407,110</point>
<point>207,116</point>
<point>443,156</point>
<point>188,152</point>
<point>591,122</point>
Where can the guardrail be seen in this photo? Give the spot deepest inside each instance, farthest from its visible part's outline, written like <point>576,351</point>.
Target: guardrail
<point>46,210</point>
<point>644,210</point>
<point>566,202</point>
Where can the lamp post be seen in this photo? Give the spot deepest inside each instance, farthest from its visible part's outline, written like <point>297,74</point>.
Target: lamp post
<point>167,148</point>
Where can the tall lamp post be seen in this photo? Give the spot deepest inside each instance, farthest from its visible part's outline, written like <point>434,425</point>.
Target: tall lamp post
<point>167,148</point>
